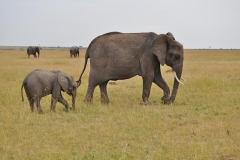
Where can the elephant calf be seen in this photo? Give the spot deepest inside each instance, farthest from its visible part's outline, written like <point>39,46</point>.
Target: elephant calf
<point>40,83</point>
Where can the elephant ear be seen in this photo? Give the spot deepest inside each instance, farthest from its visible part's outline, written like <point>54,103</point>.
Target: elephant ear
<point>64,81</point>
<point>160,46</point>
<point>170,35</point>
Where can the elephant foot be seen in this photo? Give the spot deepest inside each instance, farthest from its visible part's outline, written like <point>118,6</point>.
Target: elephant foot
<point>105,101</point>
<point>166,100</point>
<point>40,112</point>
<point>52,109</point>
<point>87,101</point>
<point>172,98</point>
<point>66,108</point>
<point>72,108</point>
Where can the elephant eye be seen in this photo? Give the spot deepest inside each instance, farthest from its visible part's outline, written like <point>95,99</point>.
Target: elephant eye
<point>177,56</point>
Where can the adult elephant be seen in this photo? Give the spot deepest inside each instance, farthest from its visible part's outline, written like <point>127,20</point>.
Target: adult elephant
<point>33,50</point>
<point>74,51</point>
<point>118,56</point>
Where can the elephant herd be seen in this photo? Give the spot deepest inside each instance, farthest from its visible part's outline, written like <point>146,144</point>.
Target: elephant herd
<point>113,56</point>
<point>33,50</point>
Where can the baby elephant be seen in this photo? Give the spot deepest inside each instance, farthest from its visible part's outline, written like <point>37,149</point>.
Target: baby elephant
<point>40,83</point>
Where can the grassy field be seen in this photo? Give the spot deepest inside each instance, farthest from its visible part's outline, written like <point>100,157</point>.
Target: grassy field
<point>202,124</point>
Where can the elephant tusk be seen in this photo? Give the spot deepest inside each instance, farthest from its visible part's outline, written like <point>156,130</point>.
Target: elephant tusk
<point>177,78</point>
<point>183,79</point>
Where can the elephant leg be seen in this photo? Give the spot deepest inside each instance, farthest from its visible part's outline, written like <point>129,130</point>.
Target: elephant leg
<point>103,90</point>
<point>159,81</point>
<point>91,86</point>
<point>40,111</point>
<point>147,84</point>
<point>51,107</point>
<point>63,101</point>
<point>31,103</point>
<point>89,95</point>
<point>53,104</point>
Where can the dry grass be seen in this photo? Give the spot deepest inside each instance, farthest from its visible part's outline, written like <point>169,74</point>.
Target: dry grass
<point>203,123</point>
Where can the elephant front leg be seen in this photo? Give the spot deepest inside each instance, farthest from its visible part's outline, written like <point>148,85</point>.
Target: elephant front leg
<point>53,104</point>
<point>64,102</point>
<point>103,90</point>
<point>159,81</point>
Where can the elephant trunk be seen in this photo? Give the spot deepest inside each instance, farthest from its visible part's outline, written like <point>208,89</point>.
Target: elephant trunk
<point>73,99</point>
<point>178,74</point>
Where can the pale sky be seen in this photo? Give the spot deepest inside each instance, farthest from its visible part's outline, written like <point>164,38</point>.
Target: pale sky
<point>195,24</point>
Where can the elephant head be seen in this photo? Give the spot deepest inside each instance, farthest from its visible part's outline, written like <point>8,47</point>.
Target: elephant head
<point>68,85</point>
<point>171,53</point>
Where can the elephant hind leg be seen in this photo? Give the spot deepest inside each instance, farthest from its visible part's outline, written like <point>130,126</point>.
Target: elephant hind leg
<point>94,80</point>
<point>103,90</point>
<point>40,111</point>
<point>89,95</point>
<point>147,84</point>
<point>31,103</point>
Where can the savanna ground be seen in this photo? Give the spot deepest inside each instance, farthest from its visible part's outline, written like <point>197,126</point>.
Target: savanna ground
<point>202,124</point>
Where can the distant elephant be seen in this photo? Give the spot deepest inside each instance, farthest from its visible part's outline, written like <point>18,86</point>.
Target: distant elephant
<point>32,50</point>
<point>118,56</point>
<point>74,51</point>
<point>40,83</point>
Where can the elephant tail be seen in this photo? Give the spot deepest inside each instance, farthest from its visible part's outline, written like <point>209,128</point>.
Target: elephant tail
<point>22,92</point>
<point>85,65</point>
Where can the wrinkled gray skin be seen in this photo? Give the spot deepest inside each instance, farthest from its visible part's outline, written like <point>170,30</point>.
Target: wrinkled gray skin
<point>33,50</point>
<point>74,51</point>
<point>40,83</point>
<point>118,56</point>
